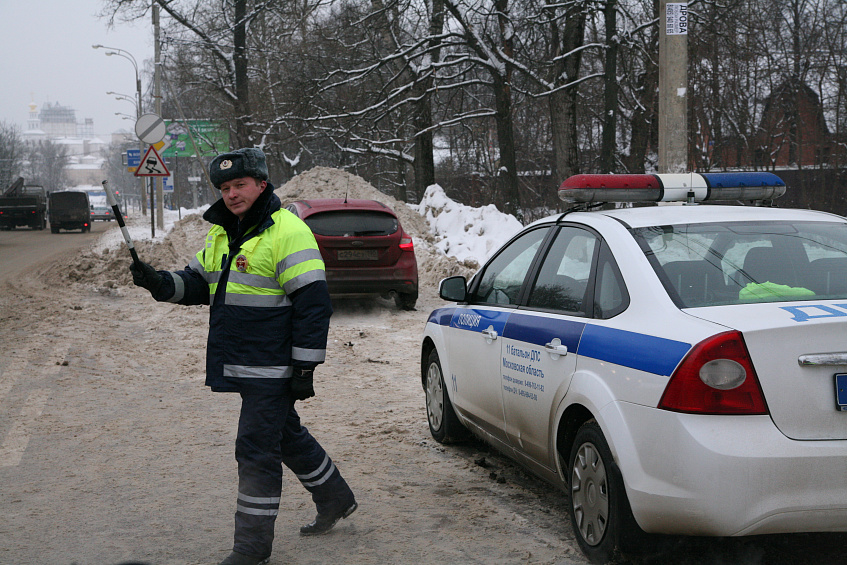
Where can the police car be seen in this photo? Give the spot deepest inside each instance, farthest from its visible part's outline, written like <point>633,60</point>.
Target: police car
<point>679,369</point>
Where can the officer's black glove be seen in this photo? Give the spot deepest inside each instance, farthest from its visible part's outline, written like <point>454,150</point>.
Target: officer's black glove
<point>301,384</point>
<point>145,276</point>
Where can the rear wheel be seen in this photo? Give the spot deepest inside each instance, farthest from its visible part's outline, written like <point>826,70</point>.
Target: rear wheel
<point>600,513</point>
<point>444,425</point>
<point>405,301</point>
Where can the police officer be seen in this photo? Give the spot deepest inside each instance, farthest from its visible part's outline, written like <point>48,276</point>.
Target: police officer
<point>262,275</point>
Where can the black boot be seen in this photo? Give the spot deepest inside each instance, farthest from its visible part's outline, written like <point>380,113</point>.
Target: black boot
<point>325,522</point>
<point>236,558</point>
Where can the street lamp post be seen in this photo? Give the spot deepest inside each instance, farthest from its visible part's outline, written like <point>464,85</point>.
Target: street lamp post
<point>138,111</point>
<point>128,56</point>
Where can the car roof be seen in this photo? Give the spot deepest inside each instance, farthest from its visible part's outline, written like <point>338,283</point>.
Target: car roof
<point>314,205</point>
<point>698,214</point>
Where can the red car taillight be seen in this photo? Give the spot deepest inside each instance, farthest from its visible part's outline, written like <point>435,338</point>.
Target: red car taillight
<point>716,377</point>
<point>406,242</point>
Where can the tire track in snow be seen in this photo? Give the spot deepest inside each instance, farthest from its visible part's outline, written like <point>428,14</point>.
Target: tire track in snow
<point>16,440</point>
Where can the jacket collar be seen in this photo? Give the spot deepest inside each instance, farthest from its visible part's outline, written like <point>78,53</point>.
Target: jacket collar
<point>258,215</point>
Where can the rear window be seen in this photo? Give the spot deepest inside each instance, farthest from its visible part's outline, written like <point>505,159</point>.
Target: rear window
<point>69,198</point>
<point>743,262</point>
<point>352,223</point>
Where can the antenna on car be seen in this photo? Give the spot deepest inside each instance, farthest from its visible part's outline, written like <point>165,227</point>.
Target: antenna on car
<point>347,190</point>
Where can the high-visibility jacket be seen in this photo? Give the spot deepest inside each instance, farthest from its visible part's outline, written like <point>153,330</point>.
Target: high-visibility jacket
<point>265,282</point>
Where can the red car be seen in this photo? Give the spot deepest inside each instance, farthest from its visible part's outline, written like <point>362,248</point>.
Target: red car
<point>364,248</point>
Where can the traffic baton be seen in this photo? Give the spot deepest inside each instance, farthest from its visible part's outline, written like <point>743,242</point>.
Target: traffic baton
<point>113,202</point>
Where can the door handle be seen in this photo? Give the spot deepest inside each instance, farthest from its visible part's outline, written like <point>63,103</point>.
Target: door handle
<point>489,333</point>
<point>555,347</point>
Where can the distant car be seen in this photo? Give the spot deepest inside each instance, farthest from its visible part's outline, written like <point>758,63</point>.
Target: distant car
<point>677,369</point>
<point>69,210</point>
<point>364,248</point>
<point>101,212</point>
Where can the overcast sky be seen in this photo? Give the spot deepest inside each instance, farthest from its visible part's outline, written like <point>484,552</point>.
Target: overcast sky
<point>47,57</point>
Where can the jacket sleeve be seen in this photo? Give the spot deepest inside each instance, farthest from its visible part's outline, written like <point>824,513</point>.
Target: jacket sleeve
<point>186,287</point>
<point>302,276</point>
<point>310,322</point>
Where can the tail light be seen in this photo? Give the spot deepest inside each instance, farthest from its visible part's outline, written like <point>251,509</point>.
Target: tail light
<point>406,243</point>
<point>716,377</point>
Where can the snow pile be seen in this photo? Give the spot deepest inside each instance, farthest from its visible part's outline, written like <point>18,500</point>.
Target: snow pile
<point>325,182</point>
<point>463,232</point>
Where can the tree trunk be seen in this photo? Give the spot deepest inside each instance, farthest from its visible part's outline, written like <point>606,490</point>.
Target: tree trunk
<point>563,103</point>
<point>239,58</point>
<point>424,158</point>
<point>507,173</point>
<point>609,147</point>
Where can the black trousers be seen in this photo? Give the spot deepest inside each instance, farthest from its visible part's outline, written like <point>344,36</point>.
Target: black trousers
<point>270,435</point>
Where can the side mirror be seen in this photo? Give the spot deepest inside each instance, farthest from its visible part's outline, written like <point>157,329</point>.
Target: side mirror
<point>454,289</point>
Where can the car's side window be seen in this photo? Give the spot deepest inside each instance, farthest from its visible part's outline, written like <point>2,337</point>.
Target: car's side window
<point>503,277</point>
<point>610,294</point>
<point>563,279</point>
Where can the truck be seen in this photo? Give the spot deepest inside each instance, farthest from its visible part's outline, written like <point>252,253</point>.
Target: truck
<point>69,210</point>
<point>23,205</point>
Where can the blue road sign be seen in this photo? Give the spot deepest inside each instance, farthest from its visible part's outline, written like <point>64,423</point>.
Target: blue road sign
<point>133,157</point>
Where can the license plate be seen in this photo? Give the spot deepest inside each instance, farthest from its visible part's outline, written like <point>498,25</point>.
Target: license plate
<point>358,255</point>
<point>841,391</point>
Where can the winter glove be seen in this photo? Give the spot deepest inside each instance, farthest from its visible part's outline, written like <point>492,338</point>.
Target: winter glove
<point>145,276</point>
<point>301,384</point>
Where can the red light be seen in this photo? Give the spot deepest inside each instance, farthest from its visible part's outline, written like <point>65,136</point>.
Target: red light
<point>406,243</point>
<point>610,181</point>
<point>686,392</point>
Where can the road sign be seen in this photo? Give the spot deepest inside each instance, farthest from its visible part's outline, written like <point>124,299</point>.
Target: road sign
<point>195,137</point>
<point>152,165</point>
<point>150,128</point>
<point>167,184</point>
<point>133,159</point>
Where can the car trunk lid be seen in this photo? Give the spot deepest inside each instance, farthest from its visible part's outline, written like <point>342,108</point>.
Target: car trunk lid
<point>797,349</point>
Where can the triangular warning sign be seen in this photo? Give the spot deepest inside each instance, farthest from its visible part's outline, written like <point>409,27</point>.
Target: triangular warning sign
<point>152,165</point>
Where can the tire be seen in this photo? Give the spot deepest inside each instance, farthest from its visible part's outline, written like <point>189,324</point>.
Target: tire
<point>444,425</point>
<point>405,301</point>
<point>599,508</point>
<point>54,229</point>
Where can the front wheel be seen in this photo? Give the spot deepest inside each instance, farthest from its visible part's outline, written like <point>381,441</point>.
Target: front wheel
<point>444,425</point>
<point>599,509</point>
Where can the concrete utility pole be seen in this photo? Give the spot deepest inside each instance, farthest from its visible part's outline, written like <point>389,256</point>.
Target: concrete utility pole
<point>157,94</point>
<point>673,87</point>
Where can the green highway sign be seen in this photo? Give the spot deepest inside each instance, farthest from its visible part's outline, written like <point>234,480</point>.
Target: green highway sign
<point>211,137</point>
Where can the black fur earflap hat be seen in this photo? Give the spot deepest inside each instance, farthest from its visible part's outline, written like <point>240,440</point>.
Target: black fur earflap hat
<point>246,162</point>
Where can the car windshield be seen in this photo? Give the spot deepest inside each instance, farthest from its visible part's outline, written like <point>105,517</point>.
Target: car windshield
<point>352,223</point>
<point>743,262</point>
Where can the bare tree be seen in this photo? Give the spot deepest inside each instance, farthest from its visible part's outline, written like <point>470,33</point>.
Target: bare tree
<point>47,165</point>
<point>12,154</point>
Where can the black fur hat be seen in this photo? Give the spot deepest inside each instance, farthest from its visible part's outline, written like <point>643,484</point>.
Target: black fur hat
<point>246,162</point>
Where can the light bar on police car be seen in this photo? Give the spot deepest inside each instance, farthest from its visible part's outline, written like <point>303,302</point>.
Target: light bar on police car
<point>698,187</point>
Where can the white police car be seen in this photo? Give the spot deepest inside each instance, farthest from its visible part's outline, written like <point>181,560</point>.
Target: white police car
<point>680,369</point>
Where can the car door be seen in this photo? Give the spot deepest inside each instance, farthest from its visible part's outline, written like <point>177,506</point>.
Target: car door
<point>539,345</point>
<point>474,335</point>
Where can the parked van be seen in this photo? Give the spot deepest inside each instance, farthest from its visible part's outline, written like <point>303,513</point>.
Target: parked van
<point>69,210</point>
